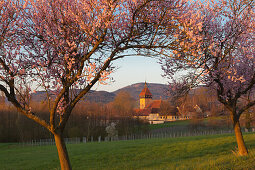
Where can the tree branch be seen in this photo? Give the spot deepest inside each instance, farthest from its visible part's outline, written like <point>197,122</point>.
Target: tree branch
<point>250,104</point>
<point>27,113</point>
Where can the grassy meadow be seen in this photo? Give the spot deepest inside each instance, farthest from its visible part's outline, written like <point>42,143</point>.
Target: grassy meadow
<point>170,124</point>
<point>201,152</point>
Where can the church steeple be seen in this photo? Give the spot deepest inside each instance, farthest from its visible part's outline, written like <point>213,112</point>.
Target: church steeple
<point>145,97</point>
<point>145,93</point>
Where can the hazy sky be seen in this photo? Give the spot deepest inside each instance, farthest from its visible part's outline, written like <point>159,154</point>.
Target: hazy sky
<point>134,70</point>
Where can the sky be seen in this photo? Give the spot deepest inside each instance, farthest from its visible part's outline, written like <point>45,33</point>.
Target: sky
<point>133,70</point>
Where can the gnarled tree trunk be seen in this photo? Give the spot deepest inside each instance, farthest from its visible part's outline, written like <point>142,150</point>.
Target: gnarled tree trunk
<point>242,150</point>
<point>62,152</point>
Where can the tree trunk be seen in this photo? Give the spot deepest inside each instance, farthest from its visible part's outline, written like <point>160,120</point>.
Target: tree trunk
<point>62,152</point>
<point>239,139</point>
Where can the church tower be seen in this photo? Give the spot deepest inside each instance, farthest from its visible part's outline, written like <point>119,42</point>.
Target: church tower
<point>145,97</point>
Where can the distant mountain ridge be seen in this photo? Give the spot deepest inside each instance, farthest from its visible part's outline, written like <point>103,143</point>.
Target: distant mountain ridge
<point>158,91</point>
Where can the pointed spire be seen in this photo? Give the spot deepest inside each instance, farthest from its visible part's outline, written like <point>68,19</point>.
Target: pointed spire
<point>145,93</point>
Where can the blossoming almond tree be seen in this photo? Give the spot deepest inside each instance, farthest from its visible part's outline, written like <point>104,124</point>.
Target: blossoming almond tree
<point>217,49</point>
<point>61,46</point>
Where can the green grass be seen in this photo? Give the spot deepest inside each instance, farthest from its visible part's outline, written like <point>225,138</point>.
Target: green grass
<point>202,152</point>
<point>169,124</point>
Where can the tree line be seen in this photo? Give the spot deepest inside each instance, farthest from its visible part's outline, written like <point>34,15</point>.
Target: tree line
<point>89,120</point>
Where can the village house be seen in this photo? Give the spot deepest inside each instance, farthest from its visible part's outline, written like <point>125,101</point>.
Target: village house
<point>150,109</point>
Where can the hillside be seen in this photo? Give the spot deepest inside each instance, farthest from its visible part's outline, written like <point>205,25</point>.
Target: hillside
<point>157,90</point>
<point>92,96</point>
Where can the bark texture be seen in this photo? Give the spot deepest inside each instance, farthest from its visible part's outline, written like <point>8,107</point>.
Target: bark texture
<point>242,150</point>
<point>62,152</point>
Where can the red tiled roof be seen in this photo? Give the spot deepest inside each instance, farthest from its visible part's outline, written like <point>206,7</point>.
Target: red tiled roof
<point>154,104</point>
<point>142,112</point>
<point>145,92</point>
<point>153,107</point>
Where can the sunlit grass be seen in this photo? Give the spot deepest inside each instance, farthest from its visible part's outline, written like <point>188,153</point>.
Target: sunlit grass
<point>169,124</point>
<point>202,152</point>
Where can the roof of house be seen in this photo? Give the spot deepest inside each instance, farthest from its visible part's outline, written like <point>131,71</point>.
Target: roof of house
<point>142,112</point>
<point>145,92</point>
<point>153,107</point>
<point>154,104</point>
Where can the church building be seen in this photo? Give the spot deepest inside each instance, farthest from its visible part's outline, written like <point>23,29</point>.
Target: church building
<point>150,109</point>
<point>145,97</point>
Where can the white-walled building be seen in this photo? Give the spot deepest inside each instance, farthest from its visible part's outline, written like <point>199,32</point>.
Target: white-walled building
<point>150,109</point>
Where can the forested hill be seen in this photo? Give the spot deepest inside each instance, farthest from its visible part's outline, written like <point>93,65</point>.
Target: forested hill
<point>157,90</point>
